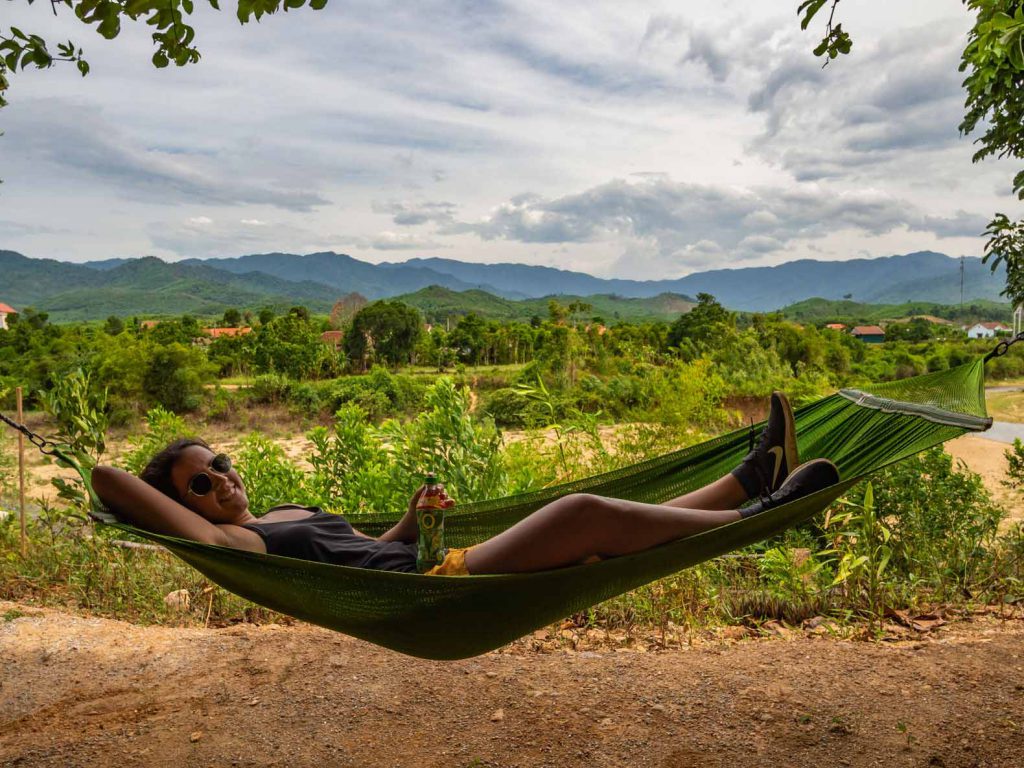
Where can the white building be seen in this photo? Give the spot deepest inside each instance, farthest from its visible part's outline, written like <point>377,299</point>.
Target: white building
<point>986,330</point>
<point>4,312</point>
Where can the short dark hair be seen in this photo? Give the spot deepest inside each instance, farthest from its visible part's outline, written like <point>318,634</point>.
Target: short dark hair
<point>158,471</point>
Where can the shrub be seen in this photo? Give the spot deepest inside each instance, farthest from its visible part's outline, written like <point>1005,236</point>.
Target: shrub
<point>270,388</point>
<point>270,477</point>
<point>508,407</point>
<point>162,428</point>
<point>176,376</point>
<point>943,521</point>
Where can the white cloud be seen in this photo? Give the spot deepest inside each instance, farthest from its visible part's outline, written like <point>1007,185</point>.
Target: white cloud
<point>635,138</point>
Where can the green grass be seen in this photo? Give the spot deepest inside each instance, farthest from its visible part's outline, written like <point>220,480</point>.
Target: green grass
<point>1006,406</point>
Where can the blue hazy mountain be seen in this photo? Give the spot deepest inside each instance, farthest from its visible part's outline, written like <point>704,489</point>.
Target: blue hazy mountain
<point>151,286</point>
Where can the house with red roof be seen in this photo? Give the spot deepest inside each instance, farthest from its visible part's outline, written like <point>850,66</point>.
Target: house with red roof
<point>333,338</point>
<point>5,310</point>
<point>220,333</point>
<point>836,326</point>
<point>986,330</point>
<point>869,334</point>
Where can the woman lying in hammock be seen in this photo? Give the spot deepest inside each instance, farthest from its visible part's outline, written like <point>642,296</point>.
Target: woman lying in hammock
<point>191,492</point>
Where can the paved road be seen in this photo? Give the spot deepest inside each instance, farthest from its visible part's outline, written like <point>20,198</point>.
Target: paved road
<point>1012,388</point>
<point>1003,432</point>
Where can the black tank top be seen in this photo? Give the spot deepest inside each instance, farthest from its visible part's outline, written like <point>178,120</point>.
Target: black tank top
<point>326,538</point>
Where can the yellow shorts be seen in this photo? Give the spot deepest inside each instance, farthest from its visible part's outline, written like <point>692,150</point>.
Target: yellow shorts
<point>454,564</point>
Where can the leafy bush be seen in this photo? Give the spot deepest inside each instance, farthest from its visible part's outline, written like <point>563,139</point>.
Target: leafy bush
<point>270,477</point>
<point>358,467</point>
<point>508,407</point>
<point>162,428</point>
<point>380,394</point>
<point>176,376</point>
<point>270,388</point>
<point>943,520</point>
<point>7,465</point>
<point>1015,465</point>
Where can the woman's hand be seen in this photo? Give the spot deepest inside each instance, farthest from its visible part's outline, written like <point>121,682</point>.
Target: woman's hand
<point>446,502</point>
<point>407,528</point>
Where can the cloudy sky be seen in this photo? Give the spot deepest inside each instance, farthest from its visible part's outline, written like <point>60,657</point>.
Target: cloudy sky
<point>623,139</point>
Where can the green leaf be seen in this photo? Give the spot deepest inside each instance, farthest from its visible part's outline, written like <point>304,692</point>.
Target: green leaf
<point>160,60</point>
<point>83,67</point>
<point>811,7</point>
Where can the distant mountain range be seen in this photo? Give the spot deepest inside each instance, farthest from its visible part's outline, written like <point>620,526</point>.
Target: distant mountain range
<point>149,286</point>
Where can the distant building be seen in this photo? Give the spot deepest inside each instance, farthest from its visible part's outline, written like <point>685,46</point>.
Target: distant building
<point>869,334</point>
<point>219,333</point>
<point>4,312</point>
<point>333,338</point>
<point>836,326</point>
<point>986,330</point>
<point>148,325</point>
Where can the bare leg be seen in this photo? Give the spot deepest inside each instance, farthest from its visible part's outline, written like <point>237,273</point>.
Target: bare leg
<point>579,526</point>
<point>725,493</point>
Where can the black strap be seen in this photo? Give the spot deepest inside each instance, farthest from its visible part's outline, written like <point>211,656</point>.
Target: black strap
<point>47,447</point>
<point>51,448</point>
<point>1002,347</point>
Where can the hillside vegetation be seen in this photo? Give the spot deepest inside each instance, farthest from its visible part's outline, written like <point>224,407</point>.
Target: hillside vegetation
<point>151,287</point>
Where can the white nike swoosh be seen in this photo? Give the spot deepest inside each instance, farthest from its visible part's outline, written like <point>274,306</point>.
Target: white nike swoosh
<point>777,453</point>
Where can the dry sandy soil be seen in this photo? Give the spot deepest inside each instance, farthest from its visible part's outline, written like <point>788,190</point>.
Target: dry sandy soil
<point>988,459</point>
<point>78,691</point>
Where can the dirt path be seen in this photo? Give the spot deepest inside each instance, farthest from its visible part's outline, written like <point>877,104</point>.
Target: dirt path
<point>988,459</point>
<point>77,691</point>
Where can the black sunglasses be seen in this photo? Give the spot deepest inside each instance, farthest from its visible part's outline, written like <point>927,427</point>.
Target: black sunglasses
<point>201,482</point>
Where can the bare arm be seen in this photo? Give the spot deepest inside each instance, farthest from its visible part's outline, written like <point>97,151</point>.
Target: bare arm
<point>144,506</point>
<point>405,529</point>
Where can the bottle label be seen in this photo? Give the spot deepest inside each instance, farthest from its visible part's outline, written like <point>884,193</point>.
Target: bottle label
<point>430,518</point>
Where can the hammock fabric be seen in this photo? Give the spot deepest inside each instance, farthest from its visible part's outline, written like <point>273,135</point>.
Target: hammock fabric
<point>439,617</point>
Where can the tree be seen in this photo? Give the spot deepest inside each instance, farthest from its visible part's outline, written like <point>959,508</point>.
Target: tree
<point>114,325</point>
<point>175,377</point>
<point>468,339</point>
<point>994,63</point>
<point>385,331</point>
<point>345,309</point>
<point>232,318</point>
<point>172,35</point>
<point>917,329</point>
<point>701,325</point>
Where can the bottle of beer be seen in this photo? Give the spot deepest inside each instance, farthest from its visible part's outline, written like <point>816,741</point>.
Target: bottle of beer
<point>430,519</point>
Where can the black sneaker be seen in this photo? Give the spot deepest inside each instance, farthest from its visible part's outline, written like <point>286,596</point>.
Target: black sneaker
<point>765,468</point>
<point>806,479</point>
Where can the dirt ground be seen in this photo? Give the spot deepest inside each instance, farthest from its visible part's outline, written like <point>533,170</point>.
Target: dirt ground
<point>78,691</point>
<point>988,459</point>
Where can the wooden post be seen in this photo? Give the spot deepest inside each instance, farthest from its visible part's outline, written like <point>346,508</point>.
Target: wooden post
<point>21,476</point>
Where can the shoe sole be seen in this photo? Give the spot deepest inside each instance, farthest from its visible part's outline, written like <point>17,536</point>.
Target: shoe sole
<point>790,448</point>
<point>812,463</point>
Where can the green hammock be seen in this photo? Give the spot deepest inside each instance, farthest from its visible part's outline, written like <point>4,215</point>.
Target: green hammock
<point>444,617</point>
